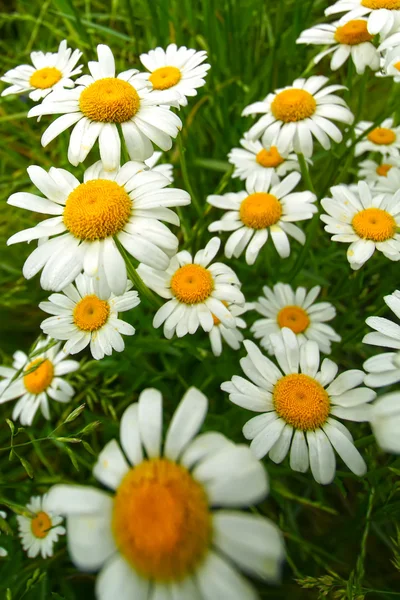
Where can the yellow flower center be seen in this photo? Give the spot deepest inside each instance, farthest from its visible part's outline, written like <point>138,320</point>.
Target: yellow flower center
<point>41,377</point>
<point>269,158</point>
<point>353,33</point>
<point>192,284</point>
<point>165,77</point>
<point>41,525</point>
<point>293,105</point>
<point>45,78</point>
<point>97,209</point>
<point>397,65</point>
<point>374,224</point>
<point>301,401</point>
<point>293,317</point>
<point>91,313</point>
<point>377,4</point>
<point>260,210</point>
<point>161,522</point>
<point>383,169</point>
<point>382,136</point>
<point>109,100</point>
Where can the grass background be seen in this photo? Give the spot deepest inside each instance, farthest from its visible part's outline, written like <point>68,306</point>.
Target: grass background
<point>341,539</point>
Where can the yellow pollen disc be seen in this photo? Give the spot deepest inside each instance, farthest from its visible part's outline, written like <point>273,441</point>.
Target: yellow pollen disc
<point>39,380</point>
<point>269,158</point>
<point>96,210</point>
<point>260,210</point>
<point>353,33</point>
<point>91,313</point>
<point>382,136</point>
<point>301,401</point>
<point>45,78</point>
<point>374,224</point>
<point>192,284</point>
<point>293,105</point>
<point>397,66</point>
<point>383,169</point>
<point>40,525</point>
<point>377,4</point>
<point>109,100</point>
<point>165,77</point>
<point>293,317</point>
<point>161,522</point>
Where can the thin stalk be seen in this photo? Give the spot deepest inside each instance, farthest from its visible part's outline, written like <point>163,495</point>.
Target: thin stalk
<point>186,179</point>
<point>305,173</point>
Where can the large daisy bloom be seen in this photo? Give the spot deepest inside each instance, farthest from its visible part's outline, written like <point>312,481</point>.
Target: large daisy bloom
<point>385,422</point>
<point>384,139</point>
<point>196,290</point>
<point>281,306</point>
<point>40,532</point>
<point>83,318</point>
<point>169,526</point>
<point>231,335</point>
<point>128,204</point>
<point>382,15</point>
<point>50,71</point>
<point>101,103</point>
<point>298,402</point>
<point>345,40</point>
<point>377,174</point>
<point>384,369</point>
<point>37,380</point>
<point>179,69</point>
<point>261,211</point>
<point>368,221</point>
<point>294,114</point>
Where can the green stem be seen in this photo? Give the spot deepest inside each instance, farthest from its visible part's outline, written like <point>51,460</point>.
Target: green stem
<point>305,172</point>
<point>186,179</point>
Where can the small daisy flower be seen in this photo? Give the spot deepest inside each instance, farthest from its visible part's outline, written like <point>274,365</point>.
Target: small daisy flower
<point>292,115</point>
<point>384,369</point>
<point>391,183</point>
<point>197,291</point>
<point>369,222</point>
<point>378,173</point>
<point>50,71</point>
<point>179,69</point>
<point>3,551</point>
<point>101,104</point>
<point>37,380</point>
<point>170,524</point>
<point>40,532</point>
<point>384,139</point>
<point>385,422</point>
<point>296,309</point>
<point>261,211</point>
<point>231,335</point>
<point>345,40</point>
<point>128,204</point>
<point>81,317</point>
<point>165,169</point>
<point>391,64</point>
<point>255,161</point>
<point>382,15</point>
<point>298,401</point>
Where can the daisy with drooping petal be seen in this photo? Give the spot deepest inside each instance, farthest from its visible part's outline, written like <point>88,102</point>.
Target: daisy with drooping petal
<point>382,15</point>
<point>231,335</point>
<point>101,104</point>
<point>384,139</point>
<point>82,317</point>
<point>179,69</point>
<point>385,422</point>
<point>127,204</point>
<point>369,222</point>
<point>165,169</point>
<point>281,306</point>
<point>261,211</point>
<point>50,71</point>
<point>35,380</point>
<point>378,173</point>
<point>298,402</point>
<point>197,291</point>
<point>40,532</point>
<point>156,533</point>
<point>294,114</point>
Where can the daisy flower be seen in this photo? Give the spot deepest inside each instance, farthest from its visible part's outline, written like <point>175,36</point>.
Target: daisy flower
<point>384,139</point>
<point>196,290</point>
<point>345,40</point>
<point>165,169</point>
<point>391,64</point>
<point>385,422</point>
<point>82,317</point>
<point>103,103</point>
<point>3,551</point>
<point>127,204</point>
<point>50,71</point>
<point>296,309</point>
<point>262,210</point>
<point>369,222</point>
<point>298,402</point>
<point>179,69</point>
<point>35,380</point>
<point>378,173</point>
<point>382,15</point>
<point>40,532</point>
<point>156,533</point>
<point>391,183</point>
<point>384,369</point>
<point>231,335</point>
<point>292,115</point>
